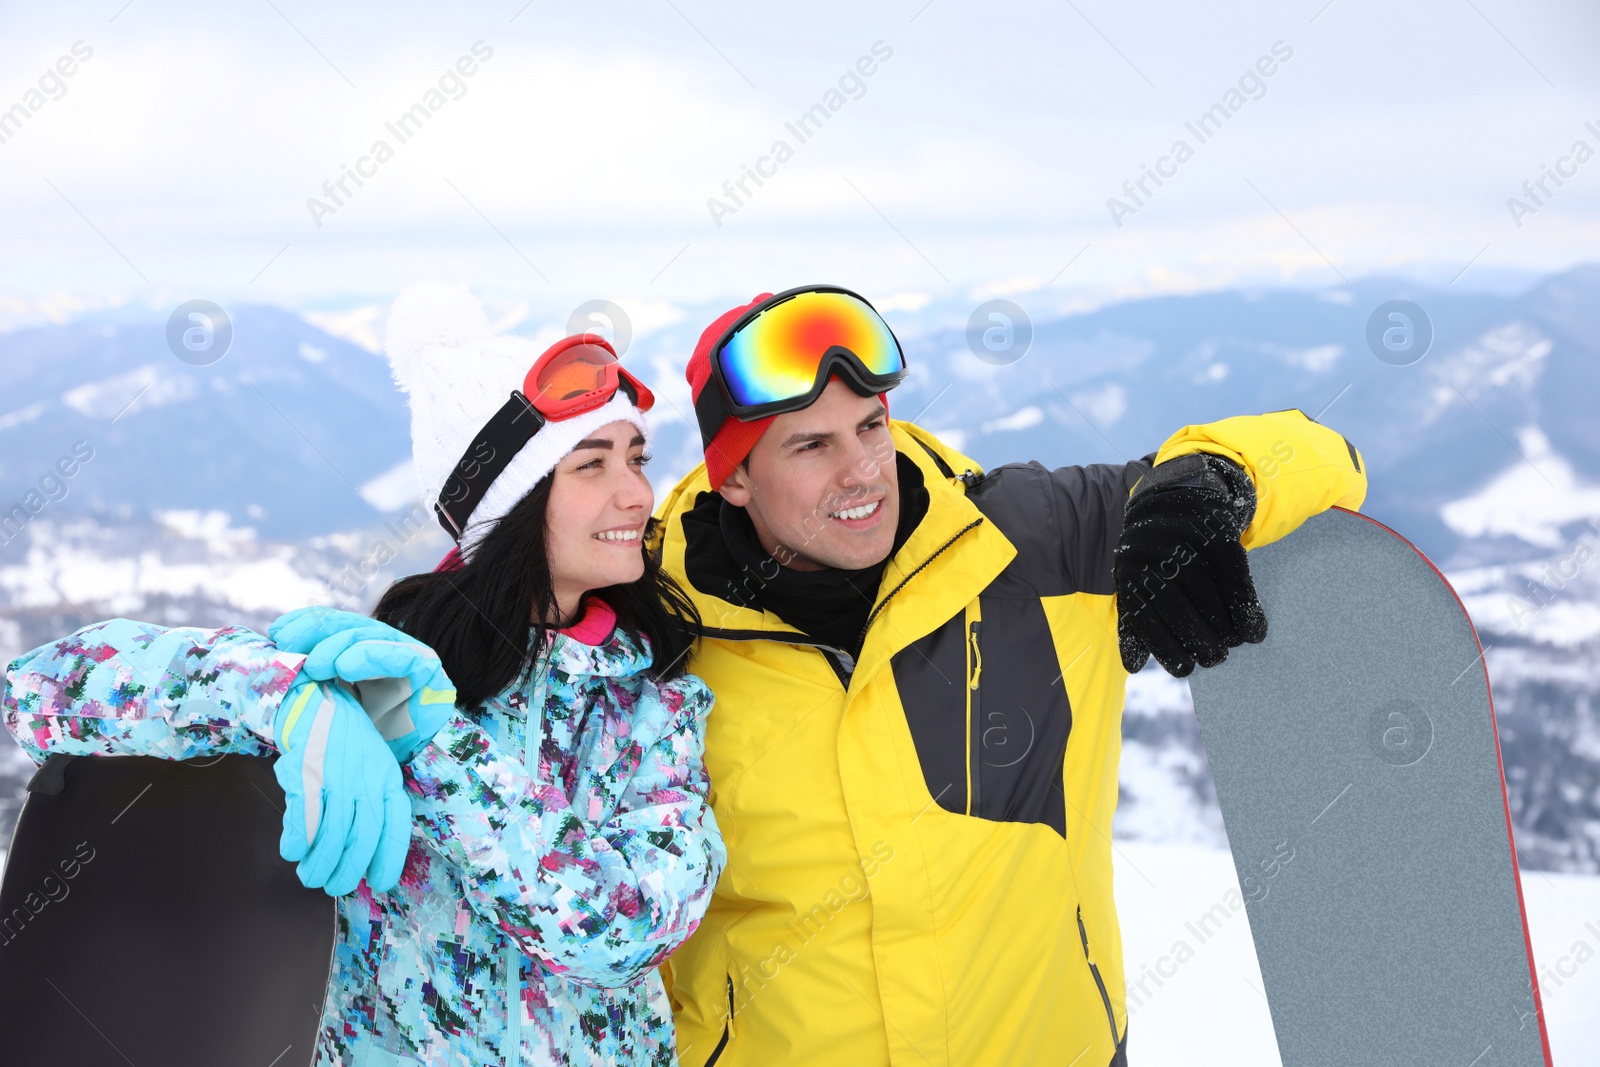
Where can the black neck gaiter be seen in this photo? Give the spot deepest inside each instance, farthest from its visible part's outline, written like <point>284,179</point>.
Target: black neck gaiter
<point>829,605</point>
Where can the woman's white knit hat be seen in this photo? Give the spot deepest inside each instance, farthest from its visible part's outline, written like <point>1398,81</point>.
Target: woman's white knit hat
<point>457,374</point>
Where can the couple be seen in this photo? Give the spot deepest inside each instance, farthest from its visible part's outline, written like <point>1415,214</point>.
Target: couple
<point>889,844</point>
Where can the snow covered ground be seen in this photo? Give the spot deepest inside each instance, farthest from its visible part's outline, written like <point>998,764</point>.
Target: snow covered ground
<point>1211,1010</point>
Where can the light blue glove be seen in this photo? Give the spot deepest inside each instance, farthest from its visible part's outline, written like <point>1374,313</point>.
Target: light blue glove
<point>398,679</point>
<point>348,814</point>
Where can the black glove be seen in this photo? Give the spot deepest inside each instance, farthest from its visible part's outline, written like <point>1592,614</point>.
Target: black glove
<point>1184,591</point>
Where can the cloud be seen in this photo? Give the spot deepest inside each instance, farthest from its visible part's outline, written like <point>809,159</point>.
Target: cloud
<point>578,159</point>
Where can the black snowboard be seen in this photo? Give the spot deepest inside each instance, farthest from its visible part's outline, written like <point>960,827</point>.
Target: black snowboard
<point>146,918</point>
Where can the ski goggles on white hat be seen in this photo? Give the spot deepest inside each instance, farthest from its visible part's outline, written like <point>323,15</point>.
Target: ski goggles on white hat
<point>574,376</point>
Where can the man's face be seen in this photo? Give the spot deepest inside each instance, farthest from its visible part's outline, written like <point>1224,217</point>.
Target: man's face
<point>820,486</point>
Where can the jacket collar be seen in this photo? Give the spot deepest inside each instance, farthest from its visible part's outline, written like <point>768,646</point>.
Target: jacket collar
<point>948,559</point>
<point>615,655</point>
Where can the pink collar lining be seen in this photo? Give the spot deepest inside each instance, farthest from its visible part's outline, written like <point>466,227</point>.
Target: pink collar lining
<point>596,623</point>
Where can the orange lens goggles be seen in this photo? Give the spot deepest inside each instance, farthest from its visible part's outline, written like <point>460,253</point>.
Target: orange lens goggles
<point>578,374</point>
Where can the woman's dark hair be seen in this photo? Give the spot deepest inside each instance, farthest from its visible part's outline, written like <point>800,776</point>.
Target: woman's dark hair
<point>477,618</point>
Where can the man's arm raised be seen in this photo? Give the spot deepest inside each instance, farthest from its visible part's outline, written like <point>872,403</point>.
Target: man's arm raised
<point>1300,468</point>
<point>1184,588</point>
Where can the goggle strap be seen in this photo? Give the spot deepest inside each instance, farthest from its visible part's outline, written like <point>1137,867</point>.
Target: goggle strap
<point>490,452</point>
<point>710,412</point>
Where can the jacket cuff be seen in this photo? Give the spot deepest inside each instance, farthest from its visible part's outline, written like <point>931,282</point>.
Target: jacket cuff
<point>1206,471</point>
<point>271,686</point>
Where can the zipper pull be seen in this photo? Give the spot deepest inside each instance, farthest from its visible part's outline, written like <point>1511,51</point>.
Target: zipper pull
<point>977,657</point>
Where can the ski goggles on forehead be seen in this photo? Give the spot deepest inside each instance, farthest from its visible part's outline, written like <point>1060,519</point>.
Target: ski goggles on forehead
<point>574,375</point>
<point>578,374</point>
<point>780,355</point>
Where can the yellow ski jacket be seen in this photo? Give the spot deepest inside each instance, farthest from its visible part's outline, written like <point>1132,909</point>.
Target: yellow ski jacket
<point>919,841</point>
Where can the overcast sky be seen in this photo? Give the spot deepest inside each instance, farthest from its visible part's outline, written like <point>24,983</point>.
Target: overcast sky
<point>579,157</point>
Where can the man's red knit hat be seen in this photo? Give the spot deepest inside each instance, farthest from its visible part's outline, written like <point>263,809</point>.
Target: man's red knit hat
<point>734,440</point>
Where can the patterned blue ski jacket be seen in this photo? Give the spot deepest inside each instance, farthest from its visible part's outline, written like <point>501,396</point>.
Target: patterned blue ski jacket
<point>561,846</point>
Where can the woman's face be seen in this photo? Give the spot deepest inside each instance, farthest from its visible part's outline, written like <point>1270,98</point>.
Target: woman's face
<point>600,501</point>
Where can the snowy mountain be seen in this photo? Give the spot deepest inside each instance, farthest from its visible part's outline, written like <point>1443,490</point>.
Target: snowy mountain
<point>290,431</point>
<point>278,476</point>
<point>1483,453</point>
<point>296,432</point>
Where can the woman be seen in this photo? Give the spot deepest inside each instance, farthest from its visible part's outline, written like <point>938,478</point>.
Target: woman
<point>555,839</point>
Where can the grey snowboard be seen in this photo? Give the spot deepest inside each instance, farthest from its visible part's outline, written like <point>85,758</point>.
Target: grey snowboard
<point>1357,768</point>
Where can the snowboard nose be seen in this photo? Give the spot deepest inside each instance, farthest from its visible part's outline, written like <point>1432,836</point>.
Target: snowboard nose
<point>146,917</point>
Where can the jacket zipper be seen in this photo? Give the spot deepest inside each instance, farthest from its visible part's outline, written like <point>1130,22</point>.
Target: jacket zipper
<point>861,640</point>
<point>974,719</point>
<point>727,1029</point>
<point>513,953</point>
<point>1105,998</point>
<point>846,662</point>
<point>782,637</point>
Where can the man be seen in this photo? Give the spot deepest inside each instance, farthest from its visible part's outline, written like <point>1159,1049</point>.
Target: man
<point>919,684</point>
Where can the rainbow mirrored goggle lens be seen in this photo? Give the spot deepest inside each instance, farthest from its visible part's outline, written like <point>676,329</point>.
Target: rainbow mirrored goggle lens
<point>776,356</point>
